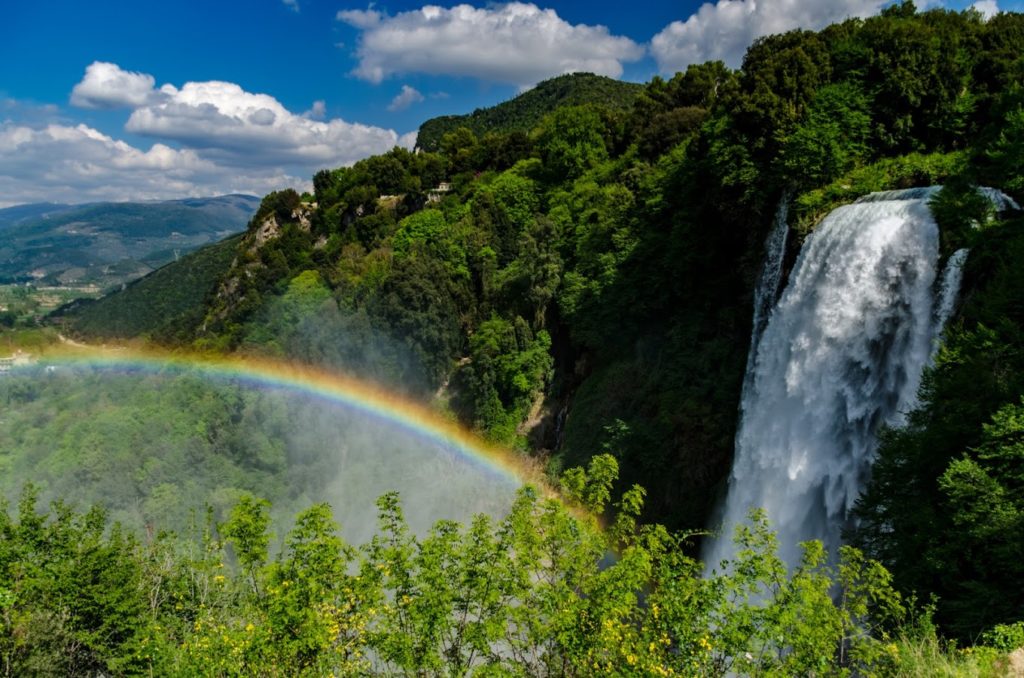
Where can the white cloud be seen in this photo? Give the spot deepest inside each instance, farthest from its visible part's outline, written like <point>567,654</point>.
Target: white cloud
<point>105,85</point>
<point>317,111</point>
<point>226,124</point>
<point>66,163</point>
<point>406,98</point>
<point>987,8</point>
<point>516,43</point>
<point>360,18</point>
<point>291,4</point>
<point>408,140</point>
<point>725,29</point>
<point>16,110</point>
<point>208,138</point>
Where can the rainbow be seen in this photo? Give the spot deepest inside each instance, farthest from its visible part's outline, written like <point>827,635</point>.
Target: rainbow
<point>353,394</point>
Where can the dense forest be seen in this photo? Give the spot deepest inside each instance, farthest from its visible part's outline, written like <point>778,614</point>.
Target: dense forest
<point>581,290</point>
<point>525,112</point>
<point>156,305</point>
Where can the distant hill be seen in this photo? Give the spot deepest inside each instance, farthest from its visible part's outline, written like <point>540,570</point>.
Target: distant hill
<point>170,297</point>
<point>526,110</point>
<point>12,216</point>
<point>109,244</point>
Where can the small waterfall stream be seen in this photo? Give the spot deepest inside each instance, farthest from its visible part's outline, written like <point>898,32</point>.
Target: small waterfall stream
<point>948,291</point>
<point>766,292</point>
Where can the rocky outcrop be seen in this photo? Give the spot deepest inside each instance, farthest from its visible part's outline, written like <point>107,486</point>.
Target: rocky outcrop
<point>268,230</point>
<point>232,288</point>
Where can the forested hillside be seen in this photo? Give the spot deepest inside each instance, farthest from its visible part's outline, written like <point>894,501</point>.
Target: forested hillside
<point>157,304</point>
<point>585,287</point>
<point>524,112</point>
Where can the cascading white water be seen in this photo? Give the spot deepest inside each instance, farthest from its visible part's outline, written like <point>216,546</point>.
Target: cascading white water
<point>1000,201</point>
<point>767,289</point>
<point>842,353</point>
<point>948,291</point>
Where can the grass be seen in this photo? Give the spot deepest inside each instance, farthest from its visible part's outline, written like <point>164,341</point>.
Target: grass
<point>929,657</point>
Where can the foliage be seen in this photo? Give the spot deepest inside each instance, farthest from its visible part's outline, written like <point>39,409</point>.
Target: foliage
<point>26,305</point>
<point>525,111</point>
<point>960,210</point>
<point>277,204</point>
<point>1000,161</point>
<point>153,448</point>
<point>832,139</point>
<point>530,594</point>
<point>159,305</point>
<point>571,140</point>
<point>507,370</point>
<point>903,172</point>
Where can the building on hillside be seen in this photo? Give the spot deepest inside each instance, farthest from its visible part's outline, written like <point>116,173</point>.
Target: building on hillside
<point>435,194</point>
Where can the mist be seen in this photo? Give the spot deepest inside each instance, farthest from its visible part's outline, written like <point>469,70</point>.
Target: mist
<point>155,449</point>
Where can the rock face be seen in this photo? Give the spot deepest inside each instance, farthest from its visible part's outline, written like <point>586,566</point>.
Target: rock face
<point>265,232</point>
<point>1016,666</point>
<point>269,229</point>
<point>303,215</point>
<point>231,290</point>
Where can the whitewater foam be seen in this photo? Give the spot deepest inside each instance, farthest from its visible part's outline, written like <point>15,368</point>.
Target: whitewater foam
<point>842,354</point>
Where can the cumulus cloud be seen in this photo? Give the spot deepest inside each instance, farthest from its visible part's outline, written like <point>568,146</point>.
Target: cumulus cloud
<point>66,163</point>
<point>318,111</point>
<point>987,8</point>
<point>106,85</point>
<point>406,98</point>
<point>17,110</point>
<point>224,123</point>
<point>208,138</point>
<point>725,29</point>
<point>516,43</point>
<point>408,140</point>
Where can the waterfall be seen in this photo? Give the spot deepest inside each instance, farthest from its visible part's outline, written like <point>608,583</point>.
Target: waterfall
<point>841,354</point>
<point>948,291</point>
<point>767,290</point>
<point>1000,201</point>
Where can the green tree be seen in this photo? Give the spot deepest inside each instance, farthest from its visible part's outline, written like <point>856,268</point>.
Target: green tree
<point>832,139</point>
<point>984,494</point>
<point>572,140</point>
<point>246,530</point>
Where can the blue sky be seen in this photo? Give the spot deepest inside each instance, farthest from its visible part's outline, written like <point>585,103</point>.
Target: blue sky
<point>118,100</point>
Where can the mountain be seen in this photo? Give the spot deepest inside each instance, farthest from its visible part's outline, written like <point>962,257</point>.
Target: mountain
<point>108,244</point>
<point>19,214</point>
<point>526,110</point>
<point>155,304</point>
